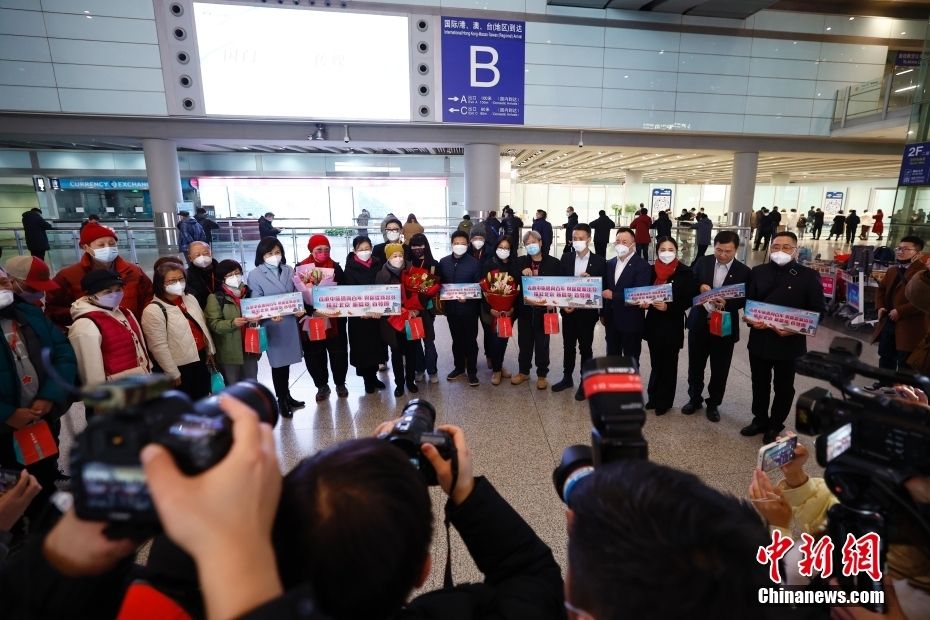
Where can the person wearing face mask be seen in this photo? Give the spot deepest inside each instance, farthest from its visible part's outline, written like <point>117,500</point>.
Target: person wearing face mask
<point>202,280</point>
<point>30,278</point>
<point>544,228</point>
<point>335,346</point>
<point>176,333</point>
<point>463,316</point>
<point>503,260</point>
<point>578,324</point>
<point>783,282</point>
<point>107,338</point>
<point>27,393</point>
<point>531,336</point>
<point>624,324</point>
<point>99,244</point>
<point>421,257</point>
<point>392,234</point>
<point>569,226</point>
<point>665,325</point>
<point>224,318</point>
<point>901,325</point>
<point>479,249</point>
<point>273,276</point>
<point>366,348</point>
<point>393,329</point>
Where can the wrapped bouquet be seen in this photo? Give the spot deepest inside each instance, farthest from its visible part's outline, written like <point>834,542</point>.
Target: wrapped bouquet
<point>419,287</point>
<point>500,289</point>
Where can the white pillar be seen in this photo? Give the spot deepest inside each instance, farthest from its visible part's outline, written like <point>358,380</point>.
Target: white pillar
<point>164,175</point>
<point>634,191</point>
<point>507,176</point>
<point>742,188</point>
<point>482,178</point>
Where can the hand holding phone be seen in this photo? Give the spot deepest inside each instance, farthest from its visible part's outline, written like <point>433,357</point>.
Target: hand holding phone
<point>776,454</point>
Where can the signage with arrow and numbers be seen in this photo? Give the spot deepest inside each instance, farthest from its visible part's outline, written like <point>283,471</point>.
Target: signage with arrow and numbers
<point>483,70</point>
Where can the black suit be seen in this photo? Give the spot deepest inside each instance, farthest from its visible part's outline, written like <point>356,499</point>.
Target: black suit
<point>702,344</point>
<point>578,325</point>
<point>665,335</point>
<point>531,337</point>
<point>625,324</point>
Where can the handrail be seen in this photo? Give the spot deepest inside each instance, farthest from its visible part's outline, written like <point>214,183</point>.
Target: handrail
<point>876,96</point>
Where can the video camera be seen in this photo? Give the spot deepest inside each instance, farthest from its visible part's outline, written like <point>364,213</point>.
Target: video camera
<point>614,391</point>
<point>415,428</point>
<point>108,480</point>
<point>870,443</point>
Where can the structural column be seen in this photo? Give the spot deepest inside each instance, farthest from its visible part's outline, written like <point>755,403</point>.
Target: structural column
<point>634,192</point>
<point>164,175</point>
<point>742,188</point>
<point>482,178</point>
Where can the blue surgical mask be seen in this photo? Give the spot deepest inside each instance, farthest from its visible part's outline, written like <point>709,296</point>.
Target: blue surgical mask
<point>532,249</point>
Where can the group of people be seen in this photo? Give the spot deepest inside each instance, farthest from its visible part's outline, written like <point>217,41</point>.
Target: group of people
<point>764,223</point>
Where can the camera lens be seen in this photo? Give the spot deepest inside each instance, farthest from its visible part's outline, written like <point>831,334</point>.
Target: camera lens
<point>252,393</point>
<point>577,461</point>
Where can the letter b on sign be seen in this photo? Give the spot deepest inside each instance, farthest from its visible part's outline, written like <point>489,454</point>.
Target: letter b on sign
<point>491,66</point>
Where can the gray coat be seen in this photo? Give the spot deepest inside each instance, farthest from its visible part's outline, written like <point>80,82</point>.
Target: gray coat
<point>283,337</point>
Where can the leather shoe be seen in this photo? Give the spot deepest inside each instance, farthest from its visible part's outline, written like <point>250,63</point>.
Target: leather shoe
<point>342,391</point>
<point>661,411</point>
<point>398,391</point>
<point>293,403</point>
<point>769,437</point>
<point>713,414</point>
<point>322,393</point>
<point>564,384</point>
<point>649,405</point>
<point>690,408</point>
<point>284,410</point>
<point>751,429</point>
<point>579,393</point>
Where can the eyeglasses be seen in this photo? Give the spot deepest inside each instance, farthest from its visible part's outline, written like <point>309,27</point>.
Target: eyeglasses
<point>902,248</point>
<point>393,229</point>
<point>175,281</point>
<point>785,248</point>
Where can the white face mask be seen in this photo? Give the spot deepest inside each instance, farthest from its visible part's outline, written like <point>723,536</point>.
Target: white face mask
<point>478,243</point>
<point>580,246</point>
<point>622,250</point>
<point>667,257</point>
<point>6,297</point>
<point>503,254</point>
<point>233,281</point>
<point>107,254</point>
<point>176,289</point>
<point>273,260</point>
<point>458,250</point>
<point>392,235</point>
<point>781,258</point>
<point>110,300</point>
<point>532,249</point>
<point>203,261</point>
<point>364,254</point>
<point>397,262</point>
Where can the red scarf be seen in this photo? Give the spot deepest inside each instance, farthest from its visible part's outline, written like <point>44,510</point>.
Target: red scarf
<point>664,272</point>
<point>366,263</point>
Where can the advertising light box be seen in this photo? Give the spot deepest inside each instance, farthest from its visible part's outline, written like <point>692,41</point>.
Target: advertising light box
<point>303,63</point>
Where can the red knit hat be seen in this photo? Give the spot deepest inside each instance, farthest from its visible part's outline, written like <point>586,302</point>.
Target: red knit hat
<point>93,231</point>
<point>317,240</point>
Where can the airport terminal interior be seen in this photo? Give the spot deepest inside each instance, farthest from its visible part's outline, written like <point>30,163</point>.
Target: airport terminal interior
<point>335,115</point>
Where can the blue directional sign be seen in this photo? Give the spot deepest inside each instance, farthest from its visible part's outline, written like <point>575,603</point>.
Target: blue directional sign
<point>482,70</point>
<point>915,166</point>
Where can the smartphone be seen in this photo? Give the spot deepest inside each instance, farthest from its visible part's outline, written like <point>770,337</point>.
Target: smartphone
<point>777,453</point>
<point>8,479</point>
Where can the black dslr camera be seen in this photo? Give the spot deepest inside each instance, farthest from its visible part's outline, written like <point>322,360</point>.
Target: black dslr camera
<point>870,443</point>
<point>614,391</point>
<point>108,481</point>
<point>415,428</point>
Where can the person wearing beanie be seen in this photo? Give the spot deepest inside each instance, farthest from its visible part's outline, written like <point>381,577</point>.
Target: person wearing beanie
<point>224,319</point>
<point>366,349</point>
<point>336,344</point>
<point>27,394</point>
<point>107,338</point>
<point>901,324</point>
<point>393,328</point>
<point>99,244</point>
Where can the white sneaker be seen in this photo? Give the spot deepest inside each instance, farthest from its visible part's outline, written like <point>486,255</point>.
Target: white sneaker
<point>434,378</point>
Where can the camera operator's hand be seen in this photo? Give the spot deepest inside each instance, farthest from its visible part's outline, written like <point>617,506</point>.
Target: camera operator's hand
<point>77,548</point>
<point>223,517</point>
<point>465,483</point>
<point>16,499</point>
<point>768,500</point>
<point>919,488</point>
<point>22,417</point>
<point>794,469</point>
<point>909,392</point>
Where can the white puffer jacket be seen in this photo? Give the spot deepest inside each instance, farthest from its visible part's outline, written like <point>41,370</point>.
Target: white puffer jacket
<point>173,345</point>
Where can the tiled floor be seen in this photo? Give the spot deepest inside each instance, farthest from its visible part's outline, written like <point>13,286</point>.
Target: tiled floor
<point>517,433</point>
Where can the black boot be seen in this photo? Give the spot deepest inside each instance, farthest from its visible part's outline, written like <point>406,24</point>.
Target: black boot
<point>284,409</point>
<point>293,403</point>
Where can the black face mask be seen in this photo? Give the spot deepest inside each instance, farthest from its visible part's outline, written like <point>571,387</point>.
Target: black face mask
<point>418,252</point>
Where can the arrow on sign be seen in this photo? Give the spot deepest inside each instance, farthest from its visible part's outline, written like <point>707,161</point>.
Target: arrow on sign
<point>455,109</point>
<point>452,98</point>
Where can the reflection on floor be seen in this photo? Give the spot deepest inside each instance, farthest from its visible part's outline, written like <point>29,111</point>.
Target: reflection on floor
<point>517,433</point>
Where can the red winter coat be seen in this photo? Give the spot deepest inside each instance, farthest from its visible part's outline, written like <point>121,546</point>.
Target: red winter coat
<point>877,225</point>
<point>137,289</point>
<point>640,225</point>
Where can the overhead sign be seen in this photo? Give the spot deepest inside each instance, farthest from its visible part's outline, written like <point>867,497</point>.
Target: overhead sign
<point>482,70</point>
<point>111,184</point>
<point>833,202</point>
<point>915,166</point>
<point>907,59</point>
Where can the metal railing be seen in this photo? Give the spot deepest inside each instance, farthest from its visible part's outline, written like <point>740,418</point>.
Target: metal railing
<point>893,91</point>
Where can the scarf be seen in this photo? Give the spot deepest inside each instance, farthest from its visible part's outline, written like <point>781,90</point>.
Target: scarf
<point>364,263</point>
<point>664,272</point>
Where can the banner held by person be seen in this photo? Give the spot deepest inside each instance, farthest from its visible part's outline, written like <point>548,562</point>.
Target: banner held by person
<point>454,292</point>
<point>361,300</point>
<point>647,294</point>
<point>732,291</point>
<point>563,291</point>
<point>803,322</point>
<point>273,305</point>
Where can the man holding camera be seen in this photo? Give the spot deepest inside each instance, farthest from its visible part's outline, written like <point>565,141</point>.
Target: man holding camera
<point>772,351</point>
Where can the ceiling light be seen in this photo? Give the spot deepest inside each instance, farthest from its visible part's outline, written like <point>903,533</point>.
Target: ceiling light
<point>903,33</point>
<point>906,88</point>
<point>852,18</point>
<point>904,72</point>
<point>829,28</point>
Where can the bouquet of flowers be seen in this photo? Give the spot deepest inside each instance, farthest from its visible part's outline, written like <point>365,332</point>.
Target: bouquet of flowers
<point>500,289</point>
<point>420,286</point>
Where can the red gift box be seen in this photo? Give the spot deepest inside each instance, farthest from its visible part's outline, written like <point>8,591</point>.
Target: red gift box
<point>252,342</point>
<point>316,328</point>
<point>504,327</point>
<point>720,323</point>
<point>551,323</point>
<point>34,443</point>
<point>415,330</point>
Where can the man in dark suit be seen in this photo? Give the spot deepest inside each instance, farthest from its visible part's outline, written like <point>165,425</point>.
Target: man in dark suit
<point>577,324</point>
<point>773,351</point>
<point>624,324</point>
<point>721,269</point>
<point>544,228</point>
<point>602,227</point>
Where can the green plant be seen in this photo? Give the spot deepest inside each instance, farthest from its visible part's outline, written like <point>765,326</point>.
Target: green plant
<point>630,208</point>
<point>339,232</point>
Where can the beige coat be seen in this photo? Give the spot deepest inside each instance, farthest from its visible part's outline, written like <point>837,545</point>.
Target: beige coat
<point>86,340</point>
<point>172,345</point>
